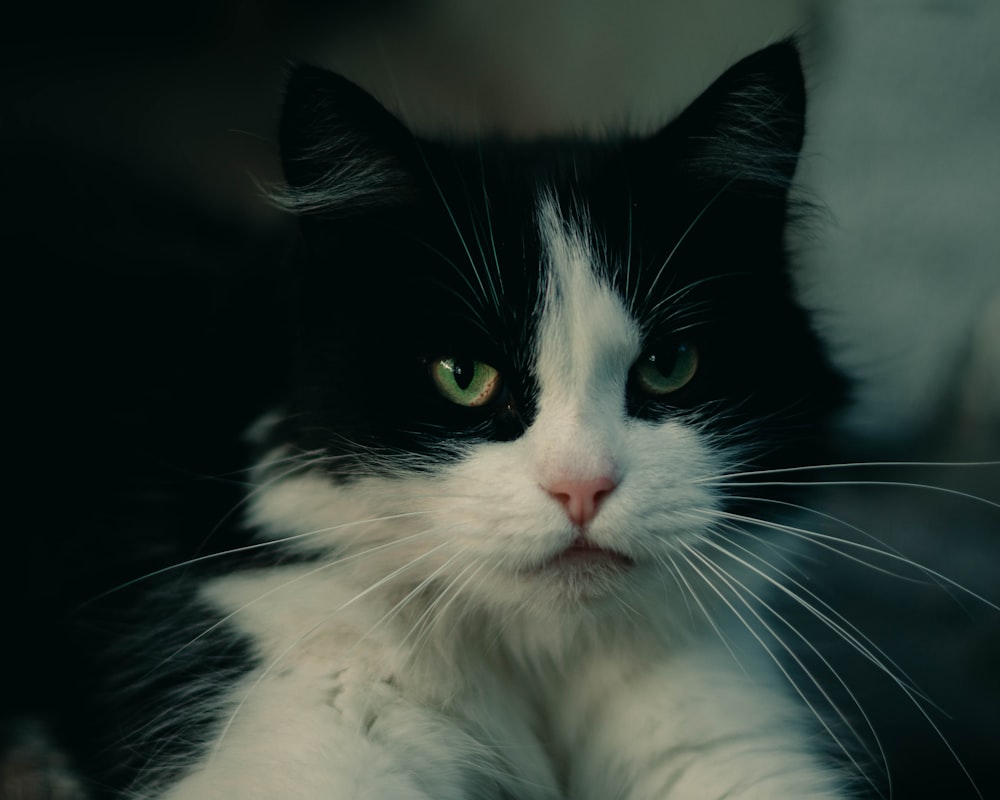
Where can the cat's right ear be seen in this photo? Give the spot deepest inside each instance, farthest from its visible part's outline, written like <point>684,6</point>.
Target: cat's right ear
<point>341,150</point>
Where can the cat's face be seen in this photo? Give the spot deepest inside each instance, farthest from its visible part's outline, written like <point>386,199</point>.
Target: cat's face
<point>526,369</point>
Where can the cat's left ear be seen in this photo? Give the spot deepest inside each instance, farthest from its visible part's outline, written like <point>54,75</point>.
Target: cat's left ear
<point>341,150</point>
<point>745,131</point>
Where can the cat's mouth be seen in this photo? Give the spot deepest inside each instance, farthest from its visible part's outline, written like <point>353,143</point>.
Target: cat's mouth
<point>583,551</point>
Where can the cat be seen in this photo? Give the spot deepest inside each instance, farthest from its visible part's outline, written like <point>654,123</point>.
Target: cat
<point>501,540</point>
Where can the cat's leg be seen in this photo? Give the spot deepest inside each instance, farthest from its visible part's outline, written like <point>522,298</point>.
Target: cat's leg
<point>345,733</point>
<point>690,727</point>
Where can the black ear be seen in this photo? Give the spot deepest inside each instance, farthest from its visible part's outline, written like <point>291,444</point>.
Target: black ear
<point>341,150</point>
<point>745,131</point>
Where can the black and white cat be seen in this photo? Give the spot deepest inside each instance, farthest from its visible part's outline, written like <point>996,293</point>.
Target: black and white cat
<point>501,539</point>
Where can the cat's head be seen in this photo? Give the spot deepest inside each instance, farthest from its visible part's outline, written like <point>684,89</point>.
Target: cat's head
<point>526,369</point>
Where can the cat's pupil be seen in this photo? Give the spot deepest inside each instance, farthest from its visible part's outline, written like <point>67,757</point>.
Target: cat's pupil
<point>464,370</point>
<point>666,364</point>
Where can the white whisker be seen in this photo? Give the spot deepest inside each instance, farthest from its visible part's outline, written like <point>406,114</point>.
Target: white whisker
<point>409,596</point>
<point>688,230</point>
<point>777,662</point>
<point>890,484</point>
<point>850,526</point>
<point>822,538</point>
<point>326,565</point>
<point>250,548</point>
<point>848,465</point>
<point>830,617</point>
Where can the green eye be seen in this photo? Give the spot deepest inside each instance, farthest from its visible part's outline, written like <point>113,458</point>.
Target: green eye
<point>465,381</point>
<point>666,369</point>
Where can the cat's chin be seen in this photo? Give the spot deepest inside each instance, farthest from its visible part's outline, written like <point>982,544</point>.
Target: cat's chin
<point>583,552</point>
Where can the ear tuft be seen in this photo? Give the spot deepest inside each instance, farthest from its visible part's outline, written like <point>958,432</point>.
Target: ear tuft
<point>342,152</point>
<point>747,128</point>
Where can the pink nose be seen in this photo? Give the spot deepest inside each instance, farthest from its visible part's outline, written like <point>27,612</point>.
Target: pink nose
<point>581,498</point>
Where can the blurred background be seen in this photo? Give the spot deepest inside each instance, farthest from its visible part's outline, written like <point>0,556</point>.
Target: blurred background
<point>135,139</point>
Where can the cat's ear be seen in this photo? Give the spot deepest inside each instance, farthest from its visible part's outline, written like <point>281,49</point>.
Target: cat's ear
<point>341,150</point>
<point>746,130</point>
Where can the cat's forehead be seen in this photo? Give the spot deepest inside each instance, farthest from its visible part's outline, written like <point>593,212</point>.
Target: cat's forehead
<point>529,211</point>
<point>581,308</point>
<point>586,334</point>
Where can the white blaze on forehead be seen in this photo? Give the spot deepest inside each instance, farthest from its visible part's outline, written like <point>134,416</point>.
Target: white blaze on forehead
<point>587,342</point>
<point>587,339</point>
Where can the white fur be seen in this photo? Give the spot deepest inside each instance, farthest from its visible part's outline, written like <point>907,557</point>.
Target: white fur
<point>434,652</point>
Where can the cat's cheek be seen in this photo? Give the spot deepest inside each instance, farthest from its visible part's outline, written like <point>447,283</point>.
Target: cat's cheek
<point>669,472</point>
<point>498,509</point>
<point>312,513</point>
